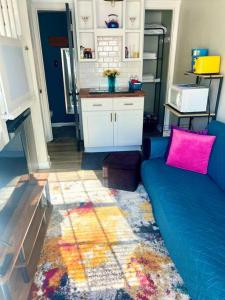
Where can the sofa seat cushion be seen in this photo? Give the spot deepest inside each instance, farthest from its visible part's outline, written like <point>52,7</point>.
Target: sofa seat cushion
<point>190,211</point>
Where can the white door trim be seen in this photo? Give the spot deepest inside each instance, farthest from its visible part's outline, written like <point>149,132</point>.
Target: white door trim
<point>35,7</point>
<point>173,5</point>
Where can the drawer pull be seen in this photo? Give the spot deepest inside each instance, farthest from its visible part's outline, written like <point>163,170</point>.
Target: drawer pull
<point>97,104</point>
<point>128,103</point>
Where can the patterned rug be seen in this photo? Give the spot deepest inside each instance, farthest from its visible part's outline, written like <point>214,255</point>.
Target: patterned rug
<point>104,244</point>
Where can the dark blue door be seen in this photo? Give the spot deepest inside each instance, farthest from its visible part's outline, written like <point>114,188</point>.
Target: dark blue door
<point>53,31</point>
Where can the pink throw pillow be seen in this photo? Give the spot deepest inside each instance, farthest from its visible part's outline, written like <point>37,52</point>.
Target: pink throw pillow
<point>203,132</point>
<point>190,151</point>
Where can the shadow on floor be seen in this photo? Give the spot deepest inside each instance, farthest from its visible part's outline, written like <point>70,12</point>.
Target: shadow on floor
<point>63,132</point>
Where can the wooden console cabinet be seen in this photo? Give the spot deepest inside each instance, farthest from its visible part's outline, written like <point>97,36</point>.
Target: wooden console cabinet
<point>23,237</point>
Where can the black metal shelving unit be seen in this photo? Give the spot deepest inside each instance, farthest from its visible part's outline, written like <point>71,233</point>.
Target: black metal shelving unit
<point>212,108</point>
<point>209,77</point>
<point>159,65</point>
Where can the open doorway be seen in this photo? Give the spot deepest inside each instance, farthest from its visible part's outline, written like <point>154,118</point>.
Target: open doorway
<point>157,39</point>
<point>54,45</point>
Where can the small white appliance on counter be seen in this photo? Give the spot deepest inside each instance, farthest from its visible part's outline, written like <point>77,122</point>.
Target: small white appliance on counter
<point>188,98</point>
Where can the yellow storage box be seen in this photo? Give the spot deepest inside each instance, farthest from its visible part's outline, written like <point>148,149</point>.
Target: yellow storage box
<point>207,65</point>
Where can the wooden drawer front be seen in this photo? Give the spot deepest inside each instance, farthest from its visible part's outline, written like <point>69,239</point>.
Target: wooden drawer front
<point>96,104</point>
<point>128,103</point>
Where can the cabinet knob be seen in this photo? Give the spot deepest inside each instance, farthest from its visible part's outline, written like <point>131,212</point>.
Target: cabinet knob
<point>128,103</point>
<point>97,104</point>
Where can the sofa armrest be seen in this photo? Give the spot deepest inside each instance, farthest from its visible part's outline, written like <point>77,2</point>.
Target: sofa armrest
<point>155,147</point>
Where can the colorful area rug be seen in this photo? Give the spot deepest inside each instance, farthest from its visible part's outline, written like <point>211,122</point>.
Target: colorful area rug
<point>104,244</point>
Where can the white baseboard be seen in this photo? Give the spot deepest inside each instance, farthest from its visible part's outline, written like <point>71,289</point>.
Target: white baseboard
<point>44,165</point>
<point>63,124</point>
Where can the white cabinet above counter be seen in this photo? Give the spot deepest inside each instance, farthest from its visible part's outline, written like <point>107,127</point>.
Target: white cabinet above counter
<point>93,18</point>
<point>112,122</point>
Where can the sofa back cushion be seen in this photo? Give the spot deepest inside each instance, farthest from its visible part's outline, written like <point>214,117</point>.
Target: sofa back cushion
<point>216,167</point>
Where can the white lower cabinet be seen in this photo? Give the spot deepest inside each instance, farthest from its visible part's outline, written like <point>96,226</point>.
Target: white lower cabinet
<point>114,126</point>
<point>128,127</point>
<point>98,129</point>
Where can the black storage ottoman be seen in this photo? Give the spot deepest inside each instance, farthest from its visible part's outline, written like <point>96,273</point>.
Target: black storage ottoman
<point>121,170</point>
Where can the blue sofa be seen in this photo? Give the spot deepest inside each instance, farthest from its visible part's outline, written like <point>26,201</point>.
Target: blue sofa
<point>189,209</point>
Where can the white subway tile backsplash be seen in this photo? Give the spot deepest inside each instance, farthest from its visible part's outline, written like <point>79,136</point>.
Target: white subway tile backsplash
<point>103,43</point>
<point>113,43</point>
<point>107,38</point>
<point>112,65</point>
<point>116,59</point>
<point>103,54</point>
<point>112,54</point>
<point>107,48</point>
<point>108,59</point>
<point>82,76</point>
<point>109,51</point>
<point>115,48</point>
<point>104,65</point>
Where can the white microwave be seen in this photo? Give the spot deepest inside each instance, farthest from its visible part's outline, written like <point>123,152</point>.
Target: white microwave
<point>188,98</point>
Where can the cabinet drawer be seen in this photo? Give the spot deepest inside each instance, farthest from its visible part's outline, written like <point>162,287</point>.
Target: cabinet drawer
<point>128,103</point>
<point>96,104</point>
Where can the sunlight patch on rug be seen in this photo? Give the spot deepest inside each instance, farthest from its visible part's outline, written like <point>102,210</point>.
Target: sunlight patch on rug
<point>104,244</point>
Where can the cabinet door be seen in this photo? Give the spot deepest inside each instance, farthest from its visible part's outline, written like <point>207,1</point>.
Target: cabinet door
<point>128,125</point>
<point>16,81</point>
<point>98,129</point>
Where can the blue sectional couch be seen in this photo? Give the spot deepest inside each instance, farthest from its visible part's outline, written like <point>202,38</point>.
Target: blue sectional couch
<point>189,209</point>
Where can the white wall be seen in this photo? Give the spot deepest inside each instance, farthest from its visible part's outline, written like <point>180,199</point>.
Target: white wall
<point>202,24</point>
<point>37,146</point>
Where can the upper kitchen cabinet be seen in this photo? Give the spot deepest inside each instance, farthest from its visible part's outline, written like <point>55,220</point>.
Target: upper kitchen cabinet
<point>109,14</point>
<point>16,92</point>
<point>100,18</point>
<point>85,15</point>
<point>16,85</point>
<point>133,47</point>
<point>85,28</point>
<point>133,33</point>
<point>133,15</point>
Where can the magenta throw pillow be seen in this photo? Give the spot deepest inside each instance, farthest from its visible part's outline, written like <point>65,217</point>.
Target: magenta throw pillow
<point>190,151</point>
<point>203,132</point>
